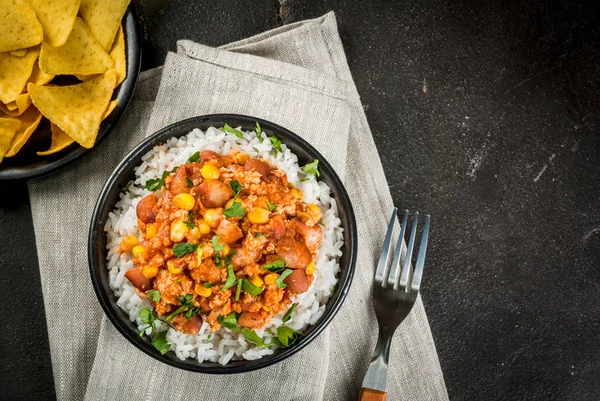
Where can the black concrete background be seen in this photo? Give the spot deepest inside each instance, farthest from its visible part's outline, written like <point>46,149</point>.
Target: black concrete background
<point>486,115</point>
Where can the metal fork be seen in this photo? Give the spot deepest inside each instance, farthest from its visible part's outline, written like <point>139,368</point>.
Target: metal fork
<point>393,300</point>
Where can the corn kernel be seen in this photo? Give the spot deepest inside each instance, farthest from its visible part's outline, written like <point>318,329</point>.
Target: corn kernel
<point>303,216</point>
<point>242,158</point>
<point>229,203</point>
<point>151,231</point>
<point>257,281</point>
<point>212,217</point>
<point>226,250</point>
<point>195,233</point>
<point>184,201</point>
<point>310,269</point>
<point>271,278</point>
<point>258,215</point>
<point>178,231</point>
<point>202,291</point>
<point>296,193</point>
<point>210,171</point>
<point>149,271</point>
<point>315,211</point>
<point>139,252</point>
<point>199,254</point>
<point>203,227</point>
<point>128,243</point>
<point>172,267</point>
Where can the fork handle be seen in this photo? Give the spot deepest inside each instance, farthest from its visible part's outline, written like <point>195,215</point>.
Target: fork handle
<point>368,394</point>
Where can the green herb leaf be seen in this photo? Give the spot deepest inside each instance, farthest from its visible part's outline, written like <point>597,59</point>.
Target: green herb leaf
<point>236,187</point>
<point>228,321</point>
<point>186,302</point>
<point>194,158</point>
<point>218,261</point>
<point>276,143</point>
<point>155,183</point>
<point>180,250</point>
<point>312,168</point>
<point>192,312</point>
<point>230,278</point>
<point>126,187</point>
<point>209,285</point>
<point>252,337</point>
<point>154,295</point>
<point>275,266</point>
<point>258,235</point>
<point>258,130</point>
<point>227,259</point>
<point>279,281</point>
<point>250,288</point>
<point>209,336</point>
<point>288,314</point>
<point>255,149</point>
<point>160,342</point>
<point>227,128</point>
<point>287,336</point>
<point>215,243</point>
<point>190,222</point>
<point>304,179</point>
<point>189,182</point>
<point>236,210</point>
<point>238,290</point>
<point>271,206</point>
<point>146,316</point>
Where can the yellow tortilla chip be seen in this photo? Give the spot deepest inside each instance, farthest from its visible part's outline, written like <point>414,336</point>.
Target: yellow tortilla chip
<point>14,73</point>
<point>19,53</point>
<point>57,18</point>
<point>110,108</point>
<point>38,76</point>
<point>81,54</point>
<point>29,122</point>
<point>19,28</point>
<point>60,140</point>
<point>8,130</point>
<point>104,18</point>
<point>76,109</point>
<point>117,52</point>
<point>17,107</point>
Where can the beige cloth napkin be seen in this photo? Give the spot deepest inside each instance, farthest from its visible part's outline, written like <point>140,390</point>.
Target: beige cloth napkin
<point>296,76</point>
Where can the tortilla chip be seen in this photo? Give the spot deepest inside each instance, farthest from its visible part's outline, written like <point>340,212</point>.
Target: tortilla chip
<point>8,130</point>
<point>29,122</point>
<point>76,109</point>
<point>104,18</point>
<point>81,54</point>
<point>17,107</point>
<point>57,18</point>
<point>38,76</point>
<point>60,140</point>
<point>19,28</point>
<point>14,73</point>
<point>117,52</point>
<point>110,108</point>
<point>19,53</point>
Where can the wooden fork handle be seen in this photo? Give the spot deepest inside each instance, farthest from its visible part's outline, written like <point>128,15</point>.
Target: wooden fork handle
<point>367,394</point>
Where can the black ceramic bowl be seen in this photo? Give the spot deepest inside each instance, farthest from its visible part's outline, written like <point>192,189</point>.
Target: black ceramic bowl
<point>125,172</point>
<point>27,164</point>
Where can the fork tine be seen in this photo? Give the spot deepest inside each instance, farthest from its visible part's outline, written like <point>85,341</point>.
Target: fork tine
<point>418,274</point>
<point>385,251</point>
<point>396,261</point>
<point>409,251</point>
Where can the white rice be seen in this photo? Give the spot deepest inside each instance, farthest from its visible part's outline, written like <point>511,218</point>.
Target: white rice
<point>223,345</point>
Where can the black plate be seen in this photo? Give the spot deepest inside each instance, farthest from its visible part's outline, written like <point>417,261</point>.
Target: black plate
<point>27,164</point>
<point>124,173</point>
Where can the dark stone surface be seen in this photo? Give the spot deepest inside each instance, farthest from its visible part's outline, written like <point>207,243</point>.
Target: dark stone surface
<point>486,116</point>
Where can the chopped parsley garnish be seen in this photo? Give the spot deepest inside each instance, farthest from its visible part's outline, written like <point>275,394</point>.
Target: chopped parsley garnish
<point>258,132</point>
<point>287,337</point>
<point>180,250</point>
<point>160,342</point>
<point>250,288</point>
<point>276,144</point>
<point>186,302</point>
<point>312,168</point>
<point>209,336</point>
<point>231,280</point>
<point>155,183</point>
<point>153,295</point>
<point>271,206</point>
<point>126,187</point>
<point>148,317</point>
<point>227,128</point>
<point>228,321</point>
<point>238,290</point>
<point>275,266</point>
<point>218,261</point>
<point>227,259</point>
<point>279,281</point>
<point>288,314</point>
<point>189,182</point>
<point>304,179</point>
<point>190,222</point>
<point>236,210</point>
<point>215,243</point>
<point>236,187</point>
<point>258,235</point>
<point>252,337</point>
<point>192,312</point>
<point>179,281</point>
<point>209,285</point>
<point>256,150</point>
<point>194,158</point>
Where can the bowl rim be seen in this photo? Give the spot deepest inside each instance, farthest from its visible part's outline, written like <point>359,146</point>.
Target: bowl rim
<point>133,49</point>
<point>160,137</point>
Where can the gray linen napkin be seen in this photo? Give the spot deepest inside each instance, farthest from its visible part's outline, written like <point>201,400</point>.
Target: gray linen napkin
<point>296,76</point>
